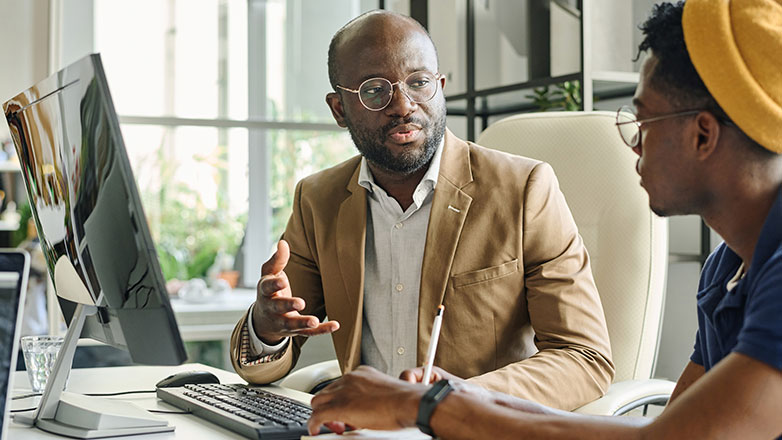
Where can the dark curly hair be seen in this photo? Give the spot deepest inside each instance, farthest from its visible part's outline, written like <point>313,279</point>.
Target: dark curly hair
<point>675,73</point>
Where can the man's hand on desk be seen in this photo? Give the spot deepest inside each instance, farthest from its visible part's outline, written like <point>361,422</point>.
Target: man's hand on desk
<point>366,398</point>
<point>276,312</point>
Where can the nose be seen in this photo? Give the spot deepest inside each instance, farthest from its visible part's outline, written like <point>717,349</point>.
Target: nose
<point>401,105</point>
<point>637,149</point>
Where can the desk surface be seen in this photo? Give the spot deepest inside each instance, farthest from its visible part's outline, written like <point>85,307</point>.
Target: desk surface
<point>114,379</point>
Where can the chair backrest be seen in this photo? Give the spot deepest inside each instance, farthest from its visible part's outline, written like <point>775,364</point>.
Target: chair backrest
<point>627,243</point>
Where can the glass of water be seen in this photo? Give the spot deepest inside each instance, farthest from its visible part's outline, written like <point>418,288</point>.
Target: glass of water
<point>40,354</point>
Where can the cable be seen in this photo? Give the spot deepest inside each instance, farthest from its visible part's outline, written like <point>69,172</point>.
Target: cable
<point>168,412</point>
<point>119,393</point>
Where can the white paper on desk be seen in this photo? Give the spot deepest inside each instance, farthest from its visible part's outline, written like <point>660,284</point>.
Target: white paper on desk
<point>403,434</point>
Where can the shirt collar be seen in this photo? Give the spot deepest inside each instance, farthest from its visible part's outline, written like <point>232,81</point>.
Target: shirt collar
<point>366,180</point>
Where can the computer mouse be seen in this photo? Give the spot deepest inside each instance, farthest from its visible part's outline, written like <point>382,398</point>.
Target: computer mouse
<point>187,377</point>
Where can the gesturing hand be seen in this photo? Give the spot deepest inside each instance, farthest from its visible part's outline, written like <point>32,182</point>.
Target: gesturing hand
<point>276,312</point>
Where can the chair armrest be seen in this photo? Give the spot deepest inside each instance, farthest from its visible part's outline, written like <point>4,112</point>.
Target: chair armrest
<point>309,377</point>
<point>627,395</point>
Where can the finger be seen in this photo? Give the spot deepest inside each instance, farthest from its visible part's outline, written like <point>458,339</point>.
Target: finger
<point>281,305</point>
<point>272,284</point>
<point>278,261</point>
<point>412,375</point>
<point>336,427</point>
<point>325,328</point>
<point>440,374</point>
<point>313,424</point>
<point>319,416</point>
<point>292,321</point>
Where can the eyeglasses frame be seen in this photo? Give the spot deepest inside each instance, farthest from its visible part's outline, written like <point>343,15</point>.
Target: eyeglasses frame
<point>639,122</point>
<point>437,77</point>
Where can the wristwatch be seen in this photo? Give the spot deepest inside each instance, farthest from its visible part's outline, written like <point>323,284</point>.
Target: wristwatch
<point>429,402</point>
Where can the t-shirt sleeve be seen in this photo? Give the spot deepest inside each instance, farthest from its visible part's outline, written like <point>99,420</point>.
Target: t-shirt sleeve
<point>696,356</point>
<point>761,336</point>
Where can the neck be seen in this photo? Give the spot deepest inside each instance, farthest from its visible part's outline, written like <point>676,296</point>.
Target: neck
<point>400,187</point>
<point>738,216</point>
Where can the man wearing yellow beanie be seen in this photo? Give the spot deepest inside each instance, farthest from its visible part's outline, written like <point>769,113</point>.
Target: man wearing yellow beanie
<point>707,128</point>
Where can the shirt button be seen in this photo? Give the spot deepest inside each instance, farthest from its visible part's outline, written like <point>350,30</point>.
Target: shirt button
<point>399,287</point>
<point>399,225</point>
<point>400,351</point>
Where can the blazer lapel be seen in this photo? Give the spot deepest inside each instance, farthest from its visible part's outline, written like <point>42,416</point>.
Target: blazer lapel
<point>351,239</point>
<point>449,210</point>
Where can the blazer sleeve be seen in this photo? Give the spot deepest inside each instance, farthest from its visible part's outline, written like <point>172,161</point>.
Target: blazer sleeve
<point>573,364</point>
<point>304,276</point>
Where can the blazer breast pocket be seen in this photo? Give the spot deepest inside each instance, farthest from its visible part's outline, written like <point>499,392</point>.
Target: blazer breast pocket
<point>487,274</point>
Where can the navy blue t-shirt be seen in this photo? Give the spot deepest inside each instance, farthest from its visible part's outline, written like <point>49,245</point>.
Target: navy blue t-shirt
<point>747,319</point>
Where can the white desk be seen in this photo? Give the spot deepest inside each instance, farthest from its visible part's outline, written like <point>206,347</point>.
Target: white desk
<point>114,379</point>
<point>188,426</point>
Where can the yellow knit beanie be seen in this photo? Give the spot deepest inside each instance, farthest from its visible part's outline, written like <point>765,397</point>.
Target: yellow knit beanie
<point>736,47</point>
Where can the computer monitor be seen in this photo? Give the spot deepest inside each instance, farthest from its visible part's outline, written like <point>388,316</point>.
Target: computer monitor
<point>14,268</point>
<point>93,233</point>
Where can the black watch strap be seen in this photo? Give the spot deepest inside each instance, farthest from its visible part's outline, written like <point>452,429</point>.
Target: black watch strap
<point>429,402</point>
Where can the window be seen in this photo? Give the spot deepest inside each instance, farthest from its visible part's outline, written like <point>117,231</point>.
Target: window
<point>223,111</point>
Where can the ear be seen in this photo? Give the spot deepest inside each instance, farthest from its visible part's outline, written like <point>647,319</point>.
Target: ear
<point>708,131</point>
<point>337,111</point>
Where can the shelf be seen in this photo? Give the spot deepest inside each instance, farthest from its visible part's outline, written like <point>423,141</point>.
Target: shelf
<point>11,167</point>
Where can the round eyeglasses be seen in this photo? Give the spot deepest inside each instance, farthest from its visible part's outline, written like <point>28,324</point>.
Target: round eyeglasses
<point>629,125</point>
<point>376,93</point>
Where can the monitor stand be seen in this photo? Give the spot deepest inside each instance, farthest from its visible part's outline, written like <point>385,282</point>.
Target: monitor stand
<point>78,416</point>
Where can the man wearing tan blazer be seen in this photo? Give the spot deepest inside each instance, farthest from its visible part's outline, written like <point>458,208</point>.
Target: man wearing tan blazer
<point>422,218</point>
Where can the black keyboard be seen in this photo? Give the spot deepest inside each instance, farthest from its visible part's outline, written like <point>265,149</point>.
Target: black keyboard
<point>249,411</point>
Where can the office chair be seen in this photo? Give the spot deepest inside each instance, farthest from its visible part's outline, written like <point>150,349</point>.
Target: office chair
<point>626,242</point>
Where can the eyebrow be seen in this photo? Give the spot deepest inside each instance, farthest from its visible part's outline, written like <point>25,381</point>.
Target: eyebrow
<point>637,103</point>
<point>380,75</point>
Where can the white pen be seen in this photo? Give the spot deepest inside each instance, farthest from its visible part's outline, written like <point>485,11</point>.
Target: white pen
<point>438,320</point>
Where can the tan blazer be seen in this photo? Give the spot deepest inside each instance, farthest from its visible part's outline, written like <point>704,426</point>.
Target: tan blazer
<point>523,314</point>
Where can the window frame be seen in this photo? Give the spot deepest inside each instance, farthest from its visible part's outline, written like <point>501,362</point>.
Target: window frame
<point>77,22</point>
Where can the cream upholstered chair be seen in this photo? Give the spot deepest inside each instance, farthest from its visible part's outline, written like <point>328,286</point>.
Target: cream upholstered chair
<point>627,243</point>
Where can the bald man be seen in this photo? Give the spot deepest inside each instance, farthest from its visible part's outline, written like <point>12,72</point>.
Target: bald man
<point>421,218</point>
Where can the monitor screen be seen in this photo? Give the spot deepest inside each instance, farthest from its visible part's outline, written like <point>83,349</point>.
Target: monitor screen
<point>14,266</point>
<point>90,221</point>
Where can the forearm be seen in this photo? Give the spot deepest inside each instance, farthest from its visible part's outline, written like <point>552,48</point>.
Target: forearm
<point>493,421</point>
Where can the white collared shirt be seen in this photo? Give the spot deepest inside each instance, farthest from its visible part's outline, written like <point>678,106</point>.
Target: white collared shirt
<point>392,271</point>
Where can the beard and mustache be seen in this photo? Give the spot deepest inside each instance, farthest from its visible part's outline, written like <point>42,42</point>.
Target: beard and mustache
<point>370,143</point>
